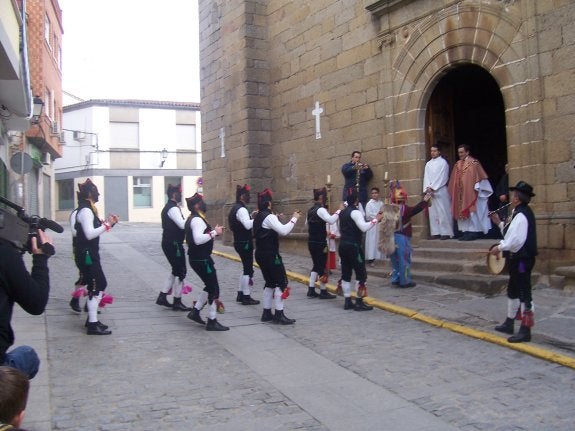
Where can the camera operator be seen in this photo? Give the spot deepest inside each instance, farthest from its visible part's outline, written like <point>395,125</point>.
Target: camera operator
<point>30,291</point>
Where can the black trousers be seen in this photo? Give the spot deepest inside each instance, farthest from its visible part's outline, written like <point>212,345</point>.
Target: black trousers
<point>88,260</point>
<point>519,285</point>
<point>207,273</point>
<point>352,259</point>
<point>272,268</point>
<point>318,252</point>
<point>174,252</point>
<point>246,251</point>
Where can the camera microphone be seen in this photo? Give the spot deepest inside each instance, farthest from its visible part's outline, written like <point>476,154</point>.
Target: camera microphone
<point>50,224</point>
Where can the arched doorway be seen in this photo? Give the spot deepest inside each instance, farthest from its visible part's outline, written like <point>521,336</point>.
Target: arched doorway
<point>466,107</point>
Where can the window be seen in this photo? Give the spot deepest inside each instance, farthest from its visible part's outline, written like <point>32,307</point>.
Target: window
<point>65,194</point>
<point>48,103</point>
<point>124,135</point>
<point>47,31</point>
<point>185,137</point>
<point>142,192</point>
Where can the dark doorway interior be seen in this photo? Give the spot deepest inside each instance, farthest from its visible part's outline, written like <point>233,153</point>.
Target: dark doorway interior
<point>466,107</point>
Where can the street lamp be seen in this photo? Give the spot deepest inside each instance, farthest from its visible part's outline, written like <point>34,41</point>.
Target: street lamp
<point>164,154</point>
<point>38,106</point>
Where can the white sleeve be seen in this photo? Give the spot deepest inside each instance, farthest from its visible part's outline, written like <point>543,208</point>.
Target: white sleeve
<point>86,218</point>
<point>363,225</point>
<point>516,234</point>
<point>175,214</point>
<point>198,227</point>
<point>272,222</point>
<point>324,215</point>
<point>243,217</point>
<point>72,221</point>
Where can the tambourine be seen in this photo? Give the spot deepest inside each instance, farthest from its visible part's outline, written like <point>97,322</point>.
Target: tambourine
<point>496,264</point>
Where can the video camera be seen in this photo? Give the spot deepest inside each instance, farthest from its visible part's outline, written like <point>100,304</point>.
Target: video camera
<point>17,229</point>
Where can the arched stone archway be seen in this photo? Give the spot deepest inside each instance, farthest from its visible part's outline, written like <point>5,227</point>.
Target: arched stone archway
<point>490,36</point>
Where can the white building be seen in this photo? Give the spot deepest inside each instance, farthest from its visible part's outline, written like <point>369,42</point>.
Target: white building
<point>132,150</point>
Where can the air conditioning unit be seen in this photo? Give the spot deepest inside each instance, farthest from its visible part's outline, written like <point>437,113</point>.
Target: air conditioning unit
<point>54,129</point>
<point>46,159</point>
<point>79,136</point>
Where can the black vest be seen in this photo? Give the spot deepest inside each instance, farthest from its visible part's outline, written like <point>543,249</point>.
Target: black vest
<point>266,239</point>
<point>240,232</point>
<point>316,225</point>
<point>171,231</point>
<point>81,240</point>
<point>347,227</point>
<point>202,251</point>
<point>529,249</point>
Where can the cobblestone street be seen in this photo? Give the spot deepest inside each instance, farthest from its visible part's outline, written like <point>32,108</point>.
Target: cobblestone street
<point>332,370</point>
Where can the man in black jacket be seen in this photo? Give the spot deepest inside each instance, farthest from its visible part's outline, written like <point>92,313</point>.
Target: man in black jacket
<point>30,291</point>
<point>519,245</point>
<point>173,224</point>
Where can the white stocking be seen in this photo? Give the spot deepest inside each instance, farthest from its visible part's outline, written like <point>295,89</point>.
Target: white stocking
<point>93,307</point>
<point>202,299</point>
<point>279,302</point>
<point>512,307</point>
<point>245,284</point>
<point>177,287</point>
<point>168,284</point>
<point>212,311</point>
<point>312,279</point>
<point>345,286</point>
<point>267,298</point>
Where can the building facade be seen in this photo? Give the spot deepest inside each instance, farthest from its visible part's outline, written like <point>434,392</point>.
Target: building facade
<point>29,181</point>
<point>132,150</point>
<point>391,78</point>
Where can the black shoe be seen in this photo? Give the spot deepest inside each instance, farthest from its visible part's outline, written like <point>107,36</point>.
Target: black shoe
<point>435,237</point>
<point>75,305</point>
<point>214,325</point>
<point>348,304</point>
<point>395,283</point>
<point>281,319</point>
<point>405,286</point>
<point>195,316</point>
<point>324,294</point>
<point>163,300</point>
<point>240,296</point>
<point>444,237</point>
<point>267,315</point>
<point>506,327</point>
<point>97,328</point>
<point>361,306</point>
<point>248,300</point>
<point>179,306</point>
<point>523,336</point>
<point>100,324</point>
<point>311,293</point>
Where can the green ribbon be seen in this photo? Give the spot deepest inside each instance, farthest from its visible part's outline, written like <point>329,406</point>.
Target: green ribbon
<point>88,258</point>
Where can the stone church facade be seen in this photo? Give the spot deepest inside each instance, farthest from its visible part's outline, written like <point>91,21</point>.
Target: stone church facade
<point>391,77</point>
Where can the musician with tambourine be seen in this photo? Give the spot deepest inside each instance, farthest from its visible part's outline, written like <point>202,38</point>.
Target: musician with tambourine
<point>519,244</point>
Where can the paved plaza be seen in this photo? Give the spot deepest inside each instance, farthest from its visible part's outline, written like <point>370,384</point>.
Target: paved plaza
<point>332,370</point>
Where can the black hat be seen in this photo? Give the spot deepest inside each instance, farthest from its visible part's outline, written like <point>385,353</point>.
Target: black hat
<point>523,187</point>
<point>319,192</point>
<point>86,188</point>
<point>264,197</point>
<point>191,202</point>
<point>174,189</point>
<point>240,191</point>
<point>351,196</point>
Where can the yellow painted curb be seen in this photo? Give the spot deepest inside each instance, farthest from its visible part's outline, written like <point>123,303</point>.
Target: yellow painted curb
<point>537,352</point>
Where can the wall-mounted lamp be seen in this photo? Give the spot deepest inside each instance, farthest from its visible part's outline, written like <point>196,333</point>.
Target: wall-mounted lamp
<point>164,154</point>
<point>38,106</point>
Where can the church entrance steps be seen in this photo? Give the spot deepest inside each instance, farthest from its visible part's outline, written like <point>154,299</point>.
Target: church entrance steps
<point>453,263</point>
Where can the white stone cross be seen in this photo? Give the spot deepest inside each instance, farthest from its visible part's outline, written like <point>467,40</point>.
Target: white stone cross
<point>222,136</point>
<point>316,113</point>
